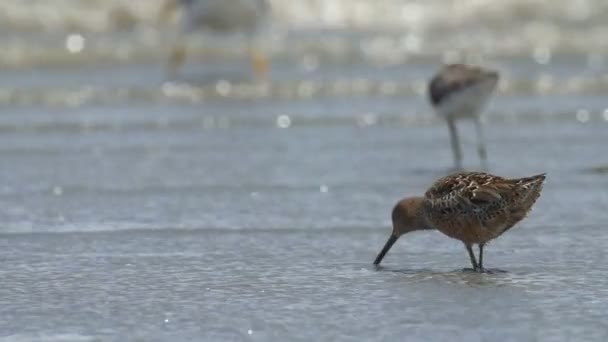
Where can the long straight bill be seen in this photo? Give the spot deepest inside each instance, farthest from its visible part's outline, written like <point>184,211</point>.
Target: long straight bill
<point>387,246</point>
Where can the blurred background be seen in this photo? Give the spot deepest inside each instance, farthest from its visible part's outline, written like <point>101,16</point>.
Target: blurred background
<point>225,200</point>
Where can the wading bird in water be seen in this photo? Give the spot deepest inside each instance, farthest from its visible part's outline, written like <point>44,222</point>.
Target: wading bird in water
<point>460,91</point>
<point>473,207</point>
<point>220,16</point>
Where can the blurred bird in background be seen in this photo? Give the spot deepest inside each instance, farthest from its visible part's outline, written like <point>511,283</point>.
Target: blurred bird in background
<point>460,91</point>
<point>219,16</point>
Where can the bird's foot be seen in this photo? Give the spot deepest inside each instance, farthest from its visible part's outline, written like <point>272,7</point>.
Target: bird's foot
<point>483,270</point>
<point>493,271</point>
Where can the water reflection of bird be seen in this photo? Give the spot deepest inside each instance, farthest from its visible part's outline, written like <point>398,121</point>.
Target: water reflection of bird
<point>460,91</point>
<point>471,207</point>
<point>220,16</point>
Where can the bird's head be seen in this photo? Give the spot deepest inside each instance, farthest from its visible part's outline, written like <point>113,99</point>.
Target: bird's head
<point>407,216</point>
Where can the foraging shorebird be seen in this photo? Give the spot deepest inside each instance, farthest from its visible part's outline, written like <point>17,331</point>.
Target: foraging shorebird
<point>460,91</point>
<point>220,16</point>
<point>473,207</point>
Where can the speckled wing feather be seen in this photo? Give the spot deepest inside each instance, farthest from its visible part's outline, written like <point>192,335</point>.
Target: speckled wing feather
<point>527,191</point>
<point>477,207</point>
<point>470,185</point>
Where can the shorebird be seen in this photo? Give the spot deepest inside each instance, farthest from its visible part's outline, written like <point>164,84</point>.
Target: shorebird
<point>473,207</point>
<point>219,16</point>
<point>460,91</point>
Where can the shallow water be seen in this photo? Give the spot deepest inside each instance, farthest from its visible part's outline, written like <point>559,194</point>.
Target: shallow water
<point>211,207</point>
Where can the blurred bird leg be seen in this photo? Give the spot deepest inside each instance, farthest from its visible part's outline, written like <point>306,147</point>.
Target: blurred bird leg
<point>481,143</point>
<point>455,142</point>
<point>176,59</point>
<point>166,11</point>
<point>259,63</point>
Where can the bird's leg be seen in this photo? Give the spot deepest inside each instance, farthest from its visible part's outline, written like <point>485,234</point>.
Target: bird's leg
<point>177,58</point>
<point>481,258</point>
<point>167,10</point>
<point>455,144</point>
<point>259,63</point>
<point>481,144</point>
<point>472,256</point>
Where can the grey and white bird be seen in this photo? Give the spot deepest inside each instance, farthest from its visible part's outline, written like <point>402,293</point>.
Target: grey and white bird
<point>219,16</point>
<point>460,91</point>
